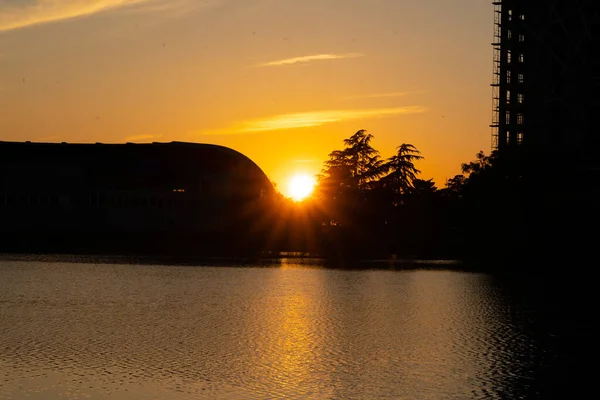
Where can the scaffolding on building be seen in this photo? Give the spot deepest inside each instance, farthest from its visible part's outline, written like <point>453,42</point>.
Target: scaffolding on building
<point>546,74</point>
<point>496,44</point>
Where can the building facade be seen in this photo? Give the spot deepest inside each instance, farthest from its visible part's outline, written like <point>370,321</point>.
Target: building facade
<point>547,78</point>
<point>546,124</point>
<point>149,195</point>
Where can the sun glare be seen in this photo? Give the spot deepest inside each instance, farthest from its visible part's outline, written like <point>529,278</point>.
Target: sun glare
<point>300,186</point>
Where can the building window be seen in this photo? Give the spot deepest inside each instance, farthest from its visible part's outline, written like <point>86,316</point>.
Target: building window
<point>508,96</point>
<point>507,118</point>
<point>520,78</point>
<point>522,17</point>
<point>521,37</point>
<point>519,137</point>
<point>521,57</point>
<point>509,15</point>
<point>520,119</point>
<point>509,34</point>
<point>508,73</point>
<point>508,56</point>
<point>520,98</point>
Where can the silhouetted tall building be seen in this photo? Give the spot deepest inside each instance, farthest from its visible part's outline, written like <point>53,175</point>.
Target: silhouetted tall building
<point>547,79</point>
<point>546,123</point>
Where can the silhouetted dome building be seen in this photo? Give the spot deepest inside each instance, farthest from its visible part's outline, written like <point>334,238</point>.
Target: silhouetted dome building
<point>129,197</point>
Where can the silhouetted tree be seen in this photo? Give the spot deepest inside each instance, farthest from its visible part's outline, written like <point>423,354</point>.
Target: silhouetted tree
<point>424,187</point>
<point>401,170</point>
<point>358,165</point>
<point>478,165</point>
<point>343,192</point>
<point>347,175</point>
<point>455,185</point>
<point>491,185</point>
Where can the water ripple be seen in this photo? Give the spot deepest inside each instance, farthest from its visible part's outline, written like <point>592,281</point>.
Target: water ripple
<point>140,331</point>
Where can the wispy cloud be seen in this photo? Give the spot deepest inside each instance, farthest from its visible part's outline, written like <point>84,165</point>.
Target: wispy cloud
<point>311,119</point>
<point>139,138</point>
<point>381,95</point>
<point>306,161</point>
<point>172,7</point>
<point>16,14</point>
<point>305,59</point>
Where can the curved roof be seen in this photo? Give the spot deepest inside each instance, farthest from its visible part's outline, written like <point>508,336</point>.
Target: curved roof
<point>128,166</point>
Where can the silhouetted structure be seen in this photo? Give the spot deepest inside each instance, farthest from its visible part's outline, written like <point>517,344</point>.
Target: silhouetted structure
<point>164,197</point>
<point>546,115</point>
<point>547,76</point>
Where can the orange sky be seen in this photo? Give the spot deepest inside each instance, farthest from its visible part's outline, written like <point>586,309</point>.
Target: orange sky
<point>282,81</point>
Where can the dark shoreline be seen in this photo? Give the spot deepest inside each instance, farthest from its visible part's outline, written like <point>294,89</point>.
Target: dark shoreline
<point>260,261</point>
<point>527,269</point>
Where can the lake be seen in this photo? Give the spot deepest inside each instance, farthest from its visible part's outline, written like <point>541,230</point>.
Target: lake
<point>283,330</point>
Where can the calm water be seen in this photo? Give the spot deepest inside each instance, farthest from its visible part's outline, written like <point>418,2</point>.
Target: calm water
<point>77,330</point>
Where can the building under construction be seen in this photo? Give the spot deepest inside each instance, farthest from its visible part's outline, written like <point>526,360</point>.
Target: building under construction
<point>546,87</point>
<point>546,126</point>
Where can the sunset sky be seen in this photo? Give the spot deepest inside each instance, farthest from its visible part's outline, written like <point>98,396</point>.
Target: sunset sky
<point>282,81</point>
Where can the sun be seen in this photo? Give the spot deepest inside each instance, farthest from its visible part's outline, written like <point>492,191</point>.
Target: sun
<point>300,186</point>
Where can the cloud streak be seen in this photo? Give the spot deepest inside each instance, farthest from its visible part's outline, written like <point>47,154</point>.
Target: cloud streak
<point>312,119</point>
<point>381,95</point>
<point>306,59</point>
<point>20,14</point>
<point>306,161</point>
<point>139,138</point>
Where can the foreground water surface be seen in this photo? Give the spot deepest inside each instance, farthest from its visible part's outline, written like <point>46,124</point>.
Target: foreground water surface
<point>114,331</point>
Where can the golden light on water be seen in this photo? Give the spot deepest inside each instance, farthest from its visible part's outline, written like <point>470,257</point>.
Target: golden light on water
<point>300,186</point>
